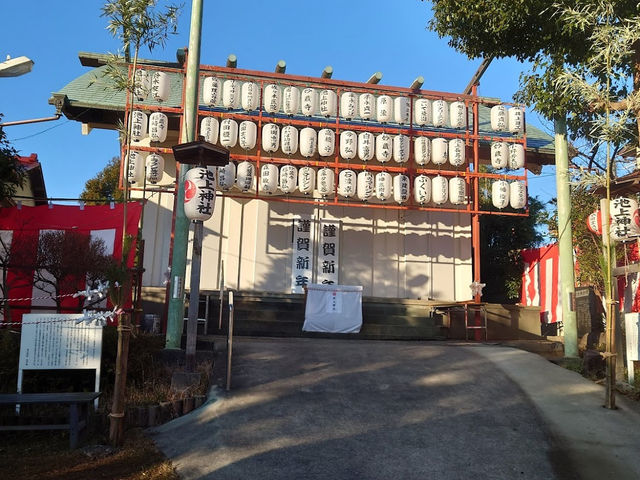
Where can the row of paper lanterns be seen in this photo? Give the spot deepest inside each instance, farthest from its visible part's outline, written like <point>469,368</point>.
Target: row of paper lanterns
<point>624,220</point>
<point>156,126</point>
<point>156,85</point>
<point>151,166</point>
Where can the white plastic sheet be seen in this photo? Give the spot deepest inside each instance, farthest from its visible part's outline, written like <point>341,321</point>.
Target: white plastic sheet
<point>333,308</point>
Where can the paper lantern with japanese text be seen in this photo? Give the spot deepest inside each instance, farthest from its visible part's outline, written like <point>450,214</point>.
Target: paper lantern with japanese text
<point>308,142</point>
<point>227,176</point>
<point>158,127</point>
<point>290,100</point>
<point>422,189</point>
<point>383,186</point>
<point>288,178</point>
<point>306,180</point>
<point>309,102</point>
<point>439,151</point>
<point>439,190</point>
<point>456,152</point>
<point>270,137</point>
<point>400,148</point>
<point>422,150</point>
<point>457,115</point>
<point>499,154</point>
<point>245,175</point>
<point>515,116</point>
<point>440,114</point>
<point>231,94</point>
<point>155,168</point>
<point>422,112</point>
<point>516,156</point>
<point>228,133</point>
<point>250,96</point>
<point>402,110</point>
<point>517,195</point>
<point>457,191</point>
<point>365,188</point>
<point>384,108</point>
<point>325,182</point>
<point>328,102</point>
<point>272,98</point>
<point>366,146</point>
<point>199,193</point>
<point>348,144</point>
<point>268,178</point>
<point>401,189</point>
<point>326,142</point>
<point>247,135</point>
<point>212,91</point>
<point>594,222</point>
<point>500,194</point>
<point>135,174</point>
<point>347,183</point>
<point>139,122</point>
<point>367,106</point>
<point>624,218</point>
<point>141,85</point>
<point>209,127</point>
<point>348,105</point>
<point>160,86</point>
<point>384,147</point>
<point>289,140</point>
<point>499,118</point>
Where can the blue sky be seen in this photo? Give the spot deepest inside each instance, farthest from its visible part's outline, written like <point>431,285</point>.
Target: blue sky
<point>357,38</point>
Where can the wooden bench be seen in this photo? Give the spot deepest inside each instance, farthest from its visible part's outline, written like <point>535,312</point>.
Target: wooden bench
<point>79,406</point>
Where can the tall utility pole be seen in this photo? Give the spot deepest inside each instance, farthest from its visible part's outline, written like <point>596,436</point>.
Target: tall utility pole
<point>181,229</point>
<point>565,239</point>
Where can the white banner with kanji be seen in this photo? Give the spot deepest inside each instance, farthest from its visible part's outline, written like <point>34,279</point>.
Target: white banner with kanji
<point>328,252</point>
<point>302,253</point>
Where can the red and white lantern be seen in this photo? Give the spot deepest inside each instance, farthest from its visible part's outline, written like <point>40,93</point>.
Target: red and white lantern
<point>226,176</point>
<point>309,102</point>
<point>384,147</point>
<point>268,178</point>
<point>231,94</point>
<point>247,135</point>
<point>289,140</point>
<point>250,96</point>
<point>160,86</point>
<point>422,150</point>
<point>456,152</point>
<point>139,122</point>
<point>457,191</point>
<point>348,105</point>
<point>308,142</point>
<point>347,183</point>
<point>367,106</point>
<point>440,113</point>
<point>348,144</point>
<point>383,186</point>
<point>401,189</point>
<point>326,182</point>
<point>245,176</point>
<point>366,183</point>
<point>270,137</point>
<point>228,133</point>
<point>402,110</point>
<point>594,222</point>
<point>326,142</point>
<point>158,127</point>
<point>272,98</point>
<point>290,100</point>
<point>500,194</point>
<point>499,155</point>
<point>422,112</point>
<point>199,193</point>
<point>439,190</point>
<point>384,108</point>
<point>439,151</point>
<point>328,103</point>
<point>422,189</point>
<point>288,178</point>
<point>366,146</point>
<point>306,180</point>
<point>400,148</point>
<point>155,168</point>
<point>499,118</point>
<point>212,91</point>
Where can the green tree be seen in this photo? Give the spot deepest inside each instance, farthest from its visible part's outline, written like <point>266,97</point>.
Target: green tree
<point>12,175</point>
<point>103,188</point>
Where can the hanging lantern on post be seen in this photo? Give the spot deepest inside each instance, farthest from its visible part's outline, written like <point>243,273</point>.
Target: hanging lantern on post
<point>456,152</point>
<point>365,186</point>
<point>290,100</point>
<point>135,174</point>
<point>226,176</point>
<point>250,96</point>
<point>228,133</point>
<point>440,190</point>
<point>383,186</point>
<point>440,113</point>
<point>325,182</point>
<point>160,86</point>
<point>439,151</point>
<point>326,142</point>
<point>516,156</point>
<point>384,147</point>
<point>270,137</point>
<point>245,176</point>
<point>308,142</point>
<point>289,140</point>
<point>515,117</point>
<point>384,108</point>
<point>138,125</point>
<point>499,155</point>
<point>328,103</point>
<point>288,178</point>
<point>158,127</point>
<point>155,168</point>
<point>141,85</point>
<point>422,150</point>
<point>309,102</point>
<point>348,105</point>
<point>499,118</point>
<point>211,91</point>
<point>366,146</point>
<point>272,98</point>
<point>231,94</point>
<point>367,106</point>
<point>422,112</point>
<point>402,110</point>
<point>594,222</point>
<point>247,135</point>
<point>268,178</point>
<point>400,148</point>
<point>458,114</point>
<point>199,193</point>
<point>457,191</point>
<point>347,181</point>
<point>400,189</point>
<point>306,180</point>
<point>500,194</point>
<point>422,189</point>
<point>348,144</point>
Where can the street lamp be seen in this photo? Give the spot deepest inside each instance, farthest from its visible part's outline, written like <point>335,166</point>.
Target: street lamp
<point>14,67</point>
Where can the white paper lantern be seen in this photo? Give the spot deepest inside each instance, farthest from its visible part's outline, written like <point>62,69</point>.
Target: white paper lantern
<point>383,186</point>
<point>158,127</point>
<point>384,147</point>
<point>422,189</point>
<point>458,115</point>
<point>226,176</point>
<point>209,127</point>
<point>272,98</point>
<point>348,105</point>
<point>422,112</point>
<point>155,168</point>
<point>141,85</point>
<point>366,183</point>
<point>325,182</point>
<point>500,194</point>
<point>270,137</point>
<point>516,156</point>
<point>401,189</point>
<point>231,94</point>
<point>250,96</point>
<point>400,148</point>
<point>456,152</point>
<point>457,191</point>
<point>499,154</point>
<point>517,195</point>
<point>268,178</point>
<point>384,108</point>
<point>135,174</point>
<point>199,193</point>
<point>328,103</point>
<point>160,86</point>
<point>288,178</point>
<point>228,133</point>
<point>367,106</point>
<point>139,122</point>
<point>499,118</point>
<point>422,150</point>
<point>309,102</point>
<point>306,180</point>
<point>326,142</point>
<point>308,142</point>
<point>347,183</point>
<point>247,134</point>
<point>366,146</point>
<point>289,140</point>
<point>348,144</point>
<point>439,190</point>
<point>402,110</point>
<point>439,151</point>
<point>515,117</point>
<point>624,219</point>
<point>212,91</point>
<point>245,175</point>
<point>290,100</point>
<point>440,113</point>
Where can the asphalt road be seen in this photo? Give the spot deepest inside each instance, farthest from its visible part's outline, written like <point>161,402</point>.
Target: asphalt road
<point>334,409</point>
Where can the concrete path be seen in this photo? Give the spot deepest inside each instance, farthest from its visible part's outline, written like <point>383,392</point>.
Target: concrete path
<point>335,409</point>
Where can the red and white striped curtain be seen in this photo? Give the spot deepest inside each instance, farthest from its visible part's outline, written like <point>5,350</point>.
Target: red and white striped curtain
<point>541,282</point>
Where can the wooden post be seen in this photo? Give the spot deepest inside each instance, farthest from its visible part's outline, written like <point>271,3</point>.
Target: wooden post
<point>116,417</point>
